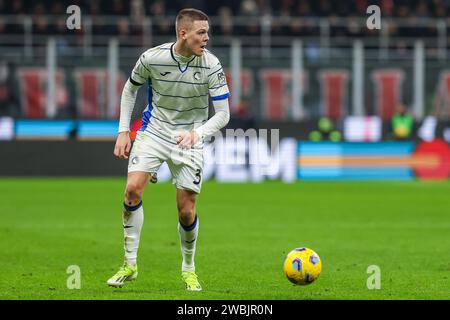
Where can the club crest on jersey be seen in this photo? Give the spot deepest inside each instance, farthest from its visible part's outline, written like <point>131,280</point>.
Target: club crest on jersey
<point>197,76</point>
<point>221,77</point>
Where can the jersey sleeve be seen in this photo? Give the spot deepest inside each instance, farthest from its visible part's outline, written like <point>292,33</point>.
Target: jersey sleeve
<point>218,88</point>
<point>140,72</point>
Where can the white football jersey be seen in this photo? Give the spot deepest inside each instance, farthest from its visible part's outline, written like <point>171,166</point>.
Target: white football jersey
<point>178,89</point>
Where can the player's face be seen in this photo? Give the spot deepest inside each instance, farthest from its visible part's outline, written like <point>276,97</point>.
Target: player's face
<point>197,37</point>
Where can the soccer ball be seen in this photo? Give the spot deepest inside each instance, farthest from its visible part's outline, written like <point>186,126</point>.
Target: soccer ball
<point>302,266</point>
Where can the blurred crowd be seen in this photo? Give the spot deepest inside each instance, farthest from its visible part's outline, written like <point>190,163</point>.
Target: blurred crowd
<point>133,11</point>
<point>317,8</point>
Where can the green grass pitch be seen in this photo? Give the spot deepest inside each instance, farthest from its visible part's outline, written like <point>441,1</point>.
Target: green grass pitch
<point>245,232</point>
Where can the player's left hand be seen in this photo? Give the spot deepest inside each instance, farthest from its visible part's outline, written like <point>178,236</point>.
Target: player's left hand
<point>186,139</point>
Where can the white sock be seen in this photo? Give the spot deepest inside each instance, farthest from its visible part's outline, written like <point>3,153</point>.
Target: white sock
<point>133,219</point>
<point>188,239</point>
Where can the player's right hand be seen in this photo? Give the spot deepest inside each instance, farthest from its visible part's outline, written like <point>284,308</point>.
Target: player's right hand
<point>123,145</point>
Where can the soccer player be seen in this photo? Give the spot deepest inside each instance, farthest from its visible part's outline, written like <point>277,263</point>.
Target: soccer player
<point>181,76</point>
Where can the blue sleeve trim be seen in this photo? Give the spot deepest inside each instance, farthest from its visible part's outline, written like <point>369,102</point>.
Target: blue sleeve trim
<point>221,97</point>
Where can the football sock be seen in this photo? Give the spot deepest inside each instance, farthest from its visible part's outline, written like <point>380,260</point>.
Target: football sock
<point>188,239</point>
<point>133,219</point>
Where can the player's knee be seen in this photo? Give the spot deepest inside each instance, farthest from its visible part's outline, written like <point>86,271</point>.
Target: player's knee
<point>133,194</point>
<point>186,215</point>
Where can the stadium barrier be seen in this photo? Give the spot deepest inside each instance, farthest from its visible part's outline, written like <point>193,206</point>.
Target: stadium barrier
<point>350,128</point>
<point>59,158</point>
<point>296,83</point>
<point>240,160</point>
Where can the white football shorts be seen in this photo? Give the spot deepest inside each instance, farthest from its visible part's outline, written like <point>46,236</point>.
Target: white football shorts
<point>186,165</point>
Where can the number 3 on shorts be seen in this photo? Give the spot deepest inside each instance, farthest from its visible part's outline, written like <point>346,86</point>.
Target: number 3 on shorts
<point>198,173</point>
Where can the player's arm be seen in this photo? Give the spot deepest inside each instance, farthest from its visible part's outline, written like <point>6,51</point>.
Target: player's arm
<point>219,93</point>
<point>127,101</point>
<point>219,120</point>
<point>214,124</point>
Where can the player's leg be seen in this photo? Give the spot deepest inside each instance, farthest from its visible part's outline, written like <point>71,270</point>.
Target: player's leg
<point>133,213</point>
<point>188,226</point>
<point>186,168</point>
<point>145,160</point>
<point>133,219</point>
